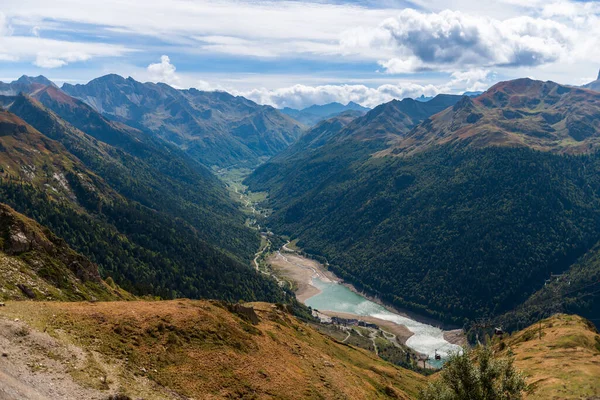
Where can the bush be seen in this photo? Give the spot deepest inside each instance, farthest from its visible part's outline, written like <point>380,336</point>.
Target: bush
<point>477,375</point>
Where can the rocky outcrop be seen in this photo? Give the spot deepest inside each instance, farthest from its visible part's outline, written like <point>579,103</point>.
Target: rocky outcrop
<point>22,235</point>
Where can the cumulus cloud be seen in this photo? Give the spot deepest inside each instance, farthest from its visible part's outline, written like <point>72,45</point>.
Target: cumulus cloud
<point>301,96</point>
<point>164,72</point>
<point>452,39</point>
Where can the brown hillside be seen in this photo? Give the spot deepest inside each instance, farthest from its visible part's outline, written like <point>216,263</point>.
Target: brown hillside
<point>202,350</point>
<point>564,363</point>
<point>542,115</point>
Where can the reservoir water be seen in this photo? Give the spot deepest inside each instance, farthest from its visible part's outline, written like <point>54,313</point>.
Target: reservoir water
<point>336,297</point>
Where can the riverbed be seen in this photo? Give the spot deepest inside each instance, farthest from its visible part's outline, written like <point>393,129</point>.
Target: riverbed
<point>320,289</point>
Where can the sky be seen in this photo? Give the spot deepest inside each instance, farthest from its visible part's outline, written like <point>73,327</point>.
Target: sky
<point>299,53</point>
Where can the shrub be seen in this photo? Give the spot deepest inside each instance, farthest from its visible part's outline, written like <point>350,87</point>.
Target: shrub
<point>477,375</point>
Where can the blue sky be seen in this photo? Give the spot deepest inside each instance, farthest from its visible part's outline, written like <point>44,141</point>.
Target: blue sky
<point>298,53</point>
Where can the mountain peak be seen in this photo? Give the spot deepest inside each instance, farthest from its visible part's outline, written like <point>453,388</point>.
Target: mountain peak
<point>464,103</point>
<point>109,78</point>
<point>598,75</point>
<point>40,79</point>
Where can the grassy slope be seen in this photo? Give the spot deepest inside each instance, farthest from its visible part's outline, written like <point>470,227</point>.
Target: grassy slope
<point>199,349</point>
<point>564,363</point>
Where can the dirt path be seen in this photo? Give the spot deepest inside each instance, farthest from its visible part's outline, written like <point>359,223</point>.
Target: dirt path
<point>372,336</point>
<point>37,366</point>
<point>259,253</point>
<point>346,338</point>
<point>13,389</point>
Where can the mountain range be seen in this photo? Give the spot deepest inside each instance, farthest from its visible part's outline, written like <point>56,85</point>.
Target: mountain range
<point>460,211</point>
<point>482,207</point>
<point>408,202</point>
<point>539,115</point>
<point>424,98</point>
<point>215,128</point>
<point>314,114</point>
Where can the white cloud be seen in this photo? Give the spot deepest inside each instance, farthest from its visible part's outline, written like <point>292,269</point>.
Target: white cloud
<point>549,39</point>
<point>470,81</point>
<point>5,28</point>
<point>402,66</point>
<point>164,72</point>
<point>203,85</point>
<point>244,19</point>
<point>300,96</point>
<point>49,53</point>
<point>47,61</point>
<point>451,39</point>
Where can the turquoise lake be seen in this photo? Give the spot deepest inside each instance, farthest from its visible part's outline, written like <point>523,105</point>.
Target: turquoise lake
<point>426,339</point>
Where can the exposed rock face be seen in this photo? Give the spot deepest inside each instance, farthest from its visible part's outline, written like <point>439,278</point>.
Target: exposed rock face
<point>7,128</point>
<point>246,313</point>
<point>21,235</point>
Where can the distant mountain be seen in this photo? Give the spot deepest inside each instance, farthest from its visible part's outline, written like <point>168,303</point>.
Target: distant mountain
<point>397,117</point>
<point>167,179</point>
<point>422,98</point>
<point>461,213</point>
<point>594,85</point>
<point>26,84</point>
<point>523,112</point>
<point>333,108</point>
<point>333,145</point>
<point>314,114</point>
<point>473,94</point>
<point>214,128</point>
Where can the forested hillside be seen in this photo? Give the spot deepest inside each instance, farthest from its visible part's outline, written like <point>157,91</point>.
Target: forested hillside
<point>461,229</point>
<point>142,168</point>
<point>143,249</point>
<point>36,264</point>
